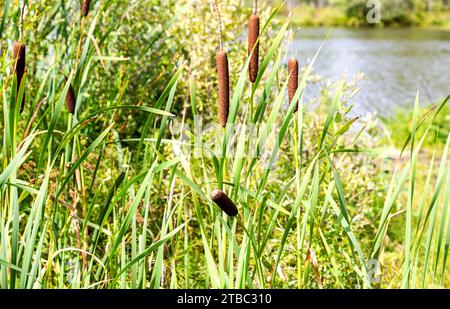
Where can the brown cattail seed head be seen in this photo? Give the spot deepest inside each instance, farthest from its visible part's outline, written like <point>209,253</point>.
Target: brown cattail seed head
<point>85,7</point>
<point>253,33</point>
<point>224,202</point>
<point>224,86</point>
<point>70,99</point>
<point>293,79</point>
<point>19,67</point>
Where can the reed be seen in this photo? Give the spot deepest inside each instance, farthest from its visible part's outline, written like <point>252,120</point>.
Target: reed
<point>293,79</point>
<point>224,202</point>
<point>19,68</point>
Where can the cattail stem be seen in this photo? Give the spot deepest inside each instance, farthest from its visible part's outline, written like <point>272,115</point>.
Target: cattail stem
<point>219,22</point>
<point>224,202</point>
<point>85,7</point>
<point>224,86</point>
<point>253,47</point>
<point>80,41</point>
<point>22,12</point>
<point>255,7</point>
<point>293,79</point>
<point>291,41</point>
<point>19,68</point>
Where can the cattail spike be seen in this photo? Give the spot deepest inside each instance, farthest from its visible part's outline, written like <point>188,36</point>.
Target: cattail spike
<point>19,68</point>
<point>85,7</point>
<point>224,202</point>
<point>293,79</point>
<point>253,33</point>
<point>70,99</point>
<point>224,86</point>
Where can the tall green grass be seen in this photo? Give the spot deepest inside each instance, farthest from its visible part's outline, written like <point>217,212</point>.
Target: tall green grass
<point>82,206</point>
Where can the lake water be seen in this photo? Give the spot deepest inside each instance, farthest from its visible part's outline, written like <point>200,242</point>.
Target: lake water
<point>396,63</point>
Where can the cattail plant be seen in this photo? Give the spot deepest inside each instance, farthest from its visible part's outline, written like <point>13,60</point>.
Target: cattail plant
<point>19,53</point>
<point>19,68</point>
<point>224,86</point>
<point>223,74</point>
<point>70,99</point>
<point>293,79</point>
<point>253,45</point>
<point>85,7</point>
<point>224,202</point>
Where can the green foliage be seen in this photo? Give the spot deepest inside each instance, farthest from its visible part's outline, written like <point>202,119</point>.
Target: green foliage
<point>400,124</point>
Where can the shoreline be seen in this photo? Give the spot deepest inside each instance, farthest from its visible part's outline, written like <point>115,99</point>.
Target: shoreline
<point>310,16</point>
<point>445,29</point>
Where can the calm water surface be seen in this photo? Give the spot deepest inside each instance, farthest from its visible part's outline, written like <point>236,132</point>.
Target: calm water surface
<point>396,63</point>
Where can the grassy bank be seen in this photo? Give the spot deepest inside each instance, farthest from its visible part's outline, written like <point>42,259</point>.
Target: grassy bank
<point>341,16</point>
<point>400,125</point>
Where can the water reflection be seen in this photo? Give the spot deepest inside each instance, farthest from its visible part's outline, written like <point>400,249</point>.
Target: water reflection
<point>396,63</point>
